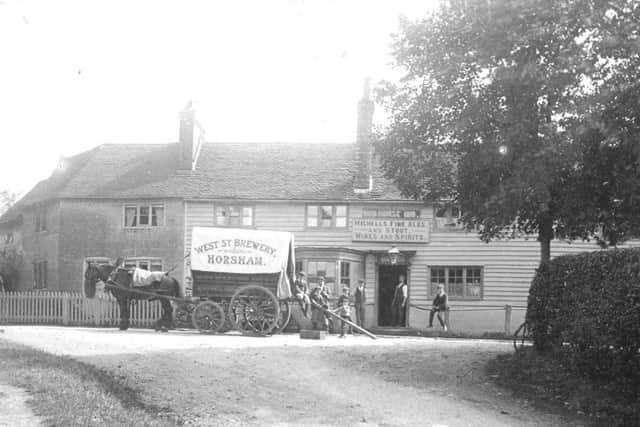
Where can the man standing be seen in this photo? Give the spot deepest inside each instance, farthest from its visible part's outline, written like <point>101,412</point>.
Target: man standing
<point>320,301</point>
<point>302,291</point>
<point>399,303</point>
<point>360,298</point>
<point>440,305</point>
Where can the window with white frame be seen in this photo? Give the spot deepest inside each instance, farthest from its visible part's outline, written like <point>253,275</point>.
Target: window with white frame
<point>234,216</point>
<point>460,282</point>
<point>143,216</point>
<point>150,264</point>
<point>41,218</point>
<point>40,274</point>
<point>327,216</point>
<point>447,215</point>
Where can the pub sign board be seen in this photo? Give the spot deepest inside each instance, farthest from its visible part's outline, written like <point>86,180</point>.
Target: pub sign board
<point>394,230</point>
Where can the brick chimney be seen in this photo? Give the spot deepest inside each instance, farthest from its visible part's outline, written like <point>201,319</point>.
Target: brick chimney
<point>363,182</point>
<point>190,139</point>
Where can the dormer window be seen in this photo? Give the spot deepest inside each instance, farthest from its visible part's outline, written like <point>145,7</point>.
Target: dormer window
<point>143,216</point>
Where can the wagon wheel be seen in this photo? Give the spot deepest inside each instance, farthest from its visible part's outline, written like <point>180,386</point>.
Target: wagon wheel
<point>285,316</point>
<point>208,317</point>
<point>228,322</point>
<point>254,309</point>
<point>183,314</point>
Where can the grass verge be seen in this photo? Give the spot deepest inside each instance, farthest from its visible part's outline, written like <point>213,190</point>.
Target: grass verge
<point>545,381</point>
<point>66,392</point>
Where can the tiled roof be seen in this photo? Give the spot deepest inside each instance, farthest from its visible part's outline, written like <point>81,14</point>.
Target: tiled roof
<point>255,171</point>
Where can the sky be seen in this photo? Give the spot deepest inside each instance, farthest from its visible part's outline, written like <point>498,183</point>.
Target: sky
<point>77,74</point>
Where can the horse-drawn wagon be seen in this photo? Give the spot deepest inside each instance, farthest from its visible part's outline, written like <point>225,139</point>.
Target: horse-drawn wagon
<point>242,278</point>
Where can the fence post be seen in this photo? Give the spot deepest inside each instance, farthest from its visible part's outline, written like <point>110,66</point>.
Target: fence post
<point>507,319</point>
<point>66,302</point>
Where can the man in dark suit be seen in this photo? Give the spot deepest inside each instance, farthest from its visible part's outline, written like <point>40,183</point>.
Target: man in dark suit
<point>359,299</point>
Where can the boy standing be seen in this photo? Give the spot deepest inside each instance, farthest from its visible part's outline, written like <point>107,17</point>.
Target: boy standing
<point>344,309</point>
<point>440,304</point>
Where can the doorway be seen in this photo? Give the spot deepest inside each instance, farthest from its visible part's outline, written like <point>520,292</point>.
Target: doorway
<point>388,277</point>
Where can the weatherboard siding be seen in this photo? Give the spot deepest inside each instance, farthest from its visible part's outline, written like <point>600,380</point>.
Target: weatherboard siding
<point>508,266</point>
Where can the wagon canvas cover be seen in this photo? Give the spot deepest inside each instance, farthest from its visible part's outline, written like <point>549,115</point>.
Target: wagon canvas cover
<point>242,251</point>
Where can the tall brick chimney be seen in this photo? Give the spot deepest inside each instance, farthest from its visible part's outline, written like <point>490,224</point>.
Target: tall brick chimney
<point>363,182</point>
<point>190,139</point>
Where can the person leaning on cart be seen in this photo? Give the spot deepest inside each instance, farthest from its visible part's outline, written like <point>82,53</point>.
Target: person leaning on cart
<point>440,305</point>
<point>302,291</point>
<point>319,302</point>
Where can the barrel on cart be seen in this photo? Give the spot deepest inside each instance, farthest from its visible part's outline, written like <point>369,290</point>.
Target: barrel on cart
<point>242,278</point>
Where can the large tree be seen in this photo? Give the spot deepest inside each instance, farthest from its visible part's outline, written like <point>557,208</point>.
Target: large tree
<point>499,106</point>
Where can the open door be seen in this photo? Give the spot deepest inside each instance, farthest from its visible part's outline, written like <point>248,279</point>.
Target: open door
<point>388,278</point>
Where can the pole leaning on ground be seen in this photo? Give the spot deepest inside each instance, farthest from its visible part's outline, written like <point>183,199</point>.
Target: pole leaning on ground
<point>348,322</point>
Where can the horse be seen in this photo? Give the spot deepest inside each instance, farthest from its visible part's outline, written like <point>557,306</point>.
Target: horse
<point>121,282</point>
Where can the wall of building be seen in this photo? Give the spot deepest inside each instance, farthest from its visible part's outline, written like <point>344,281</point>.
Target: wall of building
<point>507,266</point>
<point>95,228</point>
<point>38,245</point>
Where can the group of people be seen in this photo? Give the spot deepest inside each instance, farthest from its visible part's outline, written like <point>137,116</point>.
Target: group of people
<point>317,302</point>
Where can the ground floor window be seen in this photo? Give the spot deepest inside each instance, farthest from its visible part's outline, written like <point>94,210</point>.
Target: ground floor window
<point>338,270</point>
<point>150,264</point>
<point>40,274</point>
<point>460,282</point>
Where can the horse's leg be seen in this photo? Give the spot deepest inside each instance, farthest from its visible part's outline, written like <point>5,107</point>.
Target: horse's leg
<point>167,315</point>
<point>124,313</point>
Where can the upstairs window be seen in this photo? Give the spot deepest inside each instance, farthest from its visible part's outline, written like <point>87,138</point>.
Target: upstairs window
<point>460,282</point>
<point>143,216</point>
<point>391,213</point>
<point>41,219</point>
<point>234,216</point>
<point>327,216</point>
<point>447,215</point>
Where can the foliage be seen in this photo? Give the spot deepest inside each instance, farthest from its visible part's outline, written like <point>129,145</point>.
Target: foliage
<point>7,199</point>
<point>544,380</point>
<point>495,96</point>
<point>10,261</point>
<point>585,309</point>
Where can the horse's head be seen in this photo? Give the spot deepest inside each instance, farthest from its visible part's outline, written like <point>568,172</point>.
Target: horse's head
<point>95,273</point>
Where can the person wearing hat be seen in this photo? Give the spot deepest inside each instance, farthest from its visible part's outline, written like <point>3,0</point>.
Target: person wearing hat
<point>359,299</point>
<point>320,302</point>
<point>302,291</point>
<point>440,305</point>
<point>344,309</point>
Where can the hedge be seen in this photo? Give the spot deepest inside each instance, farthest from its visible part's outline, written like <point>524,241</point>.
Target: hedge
<point>585,309</point>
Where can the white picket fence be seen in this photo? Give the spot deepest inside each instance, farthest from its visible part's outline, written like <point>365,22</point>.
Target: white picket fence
<point>68,308</point>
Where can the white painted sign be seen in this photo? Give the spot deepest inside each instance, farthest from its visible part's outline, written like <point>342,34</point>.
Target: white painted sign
<point>234,250</point>
<point>395,230</point>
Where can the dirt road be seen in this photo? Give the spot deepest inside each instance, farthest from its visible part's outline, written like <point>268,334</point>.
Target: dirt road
<point>282,380</point>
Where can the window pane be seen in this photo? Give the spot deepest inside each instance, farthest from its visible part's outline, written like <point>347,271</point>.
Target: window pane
<point>341,222</point>
<point>344,269</point>
<point>341,210</point>
<point>473,283</point>
<point>130,216</point>
<point>221,216</point>
<point>130,265</point>
<point>143,264</point>
<point>312,216</point>
<point>156,265</point>
<point>247,216</point>
<point>233,211</point>
<point>455,282</point>
<point>144,215</point>
<point>326,216</point>
<point>157,216</point>
<point>437,278</point>
<point>441,211</point>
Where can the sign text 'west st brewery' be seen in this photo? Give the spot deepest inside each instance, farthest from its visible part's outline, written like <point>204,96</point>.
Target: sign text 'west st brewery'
<point>390,230</point>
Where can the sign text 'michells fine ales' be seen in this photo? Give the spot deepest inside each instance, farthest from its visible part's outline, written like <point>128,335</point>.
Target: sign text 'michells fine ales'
<point>390,230</point>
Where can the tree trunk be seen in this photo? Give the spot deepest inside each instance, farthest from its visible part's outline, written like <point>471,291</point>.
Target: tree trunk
<point>545,235</point>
